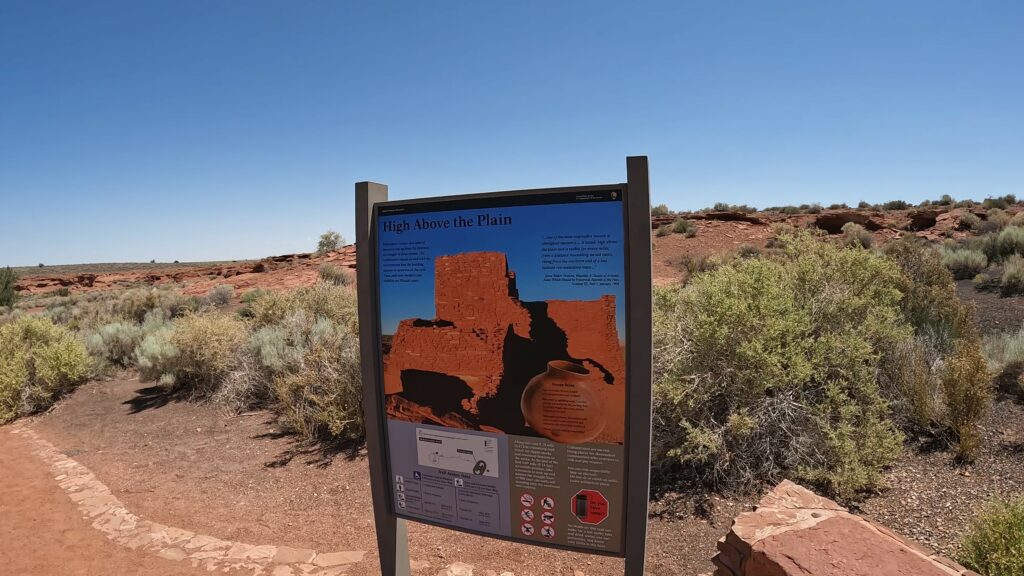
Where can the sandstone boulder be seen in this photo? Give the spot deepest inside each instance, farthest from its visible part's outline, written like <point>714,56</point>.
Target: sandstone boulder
<point>794,532</point>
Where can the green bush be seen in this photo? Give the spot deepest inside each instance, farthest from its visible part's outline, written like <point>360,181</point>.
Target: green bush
<point>1012,281</point>
<point>966,392</point>
<point>663,231</point>
<point>337,303</point>
<point>333,275</point>
<point>1004,350</point>
<point>220,296</point>
<point>659,210</point>
<point>969,221</point>
<point>39,361</point>
<point>134,304</point>
<point>8,280</point>
<point>196,354</point>
<point>115,343</point>
<point>156,356</point>
<point>813,208</point>
<point>964,264</point>
<point>329,241</point>
<point>766,367</point>
<point>857,236</point>
<point>862,205</point>
<point>323,398</point>
<point>995,544</point>
<point>685,227</point>
<point>997,219</point>
<point>895,205</point>
<point>999,202</point>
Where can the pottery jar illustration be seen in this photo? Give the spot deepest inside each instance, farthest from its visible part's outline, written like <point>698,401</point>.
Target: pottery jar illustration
<point>563,403</point>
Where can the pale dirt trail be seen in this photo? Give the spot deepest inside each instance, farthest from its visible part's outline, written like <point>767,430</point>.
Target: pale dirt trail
<point>42,532</point>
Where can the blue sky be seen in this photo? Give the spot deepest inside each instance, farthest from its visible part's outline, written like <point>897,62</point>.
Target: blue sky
<point>220,130</point>
<point>521,242</point>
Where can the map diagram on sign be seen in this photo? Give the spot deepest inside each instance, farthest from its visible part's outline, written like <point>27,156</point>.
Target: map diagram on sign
<point>465,453</point>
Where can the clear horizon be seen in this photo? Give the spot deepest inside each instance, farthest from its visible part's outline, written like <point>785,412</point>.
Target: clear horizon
<point>198,131</point>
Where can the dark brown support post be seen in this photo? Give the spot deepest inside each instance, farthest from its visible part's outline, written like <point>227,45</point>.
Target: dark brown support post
<point>638,361</point>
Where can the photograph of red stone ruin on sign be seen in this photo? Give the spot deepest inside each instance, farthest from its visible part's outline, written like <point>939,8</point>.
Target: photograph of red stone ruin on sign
<point>490,361</point>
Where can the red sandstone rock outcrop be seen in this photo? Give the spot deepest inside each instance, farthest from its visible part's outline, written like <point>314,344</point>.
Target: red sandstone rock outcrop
<point>796,532</point>
<point>484,336</point>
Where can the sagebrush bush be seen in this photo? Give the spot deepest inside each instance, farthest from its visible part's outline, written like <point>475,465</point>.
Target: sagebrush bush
<point>1012,281</point>
<point>1004,350</point>
<point>966,390</point>
<point>969,221</point>
<point>659,210</point>
<point>857,236</point>
<point>333,275</point>
<point>115,343</point>
<point>766,367</point>
<point>329,241</point>
<point>995,544</point>
<point>39,361</point>
<point>964,263</point>
<point>220,296</point>
<point>134,304</point>
<point>156,356</point>
<point>8,280</point>
<point>896,205</point>
<point>323,398</point>
<point>337,303</point>
<point>207,347</point>
<point>685,227</point>
<point>663,231</point>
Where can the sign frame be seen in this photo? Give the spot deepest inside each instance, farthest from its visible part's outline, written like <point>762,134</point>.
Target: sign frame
<point>391,528</point>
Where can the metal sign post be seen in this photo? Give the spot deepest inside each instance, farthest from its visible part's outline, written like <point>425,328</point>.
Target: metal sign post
<point>506,360</point>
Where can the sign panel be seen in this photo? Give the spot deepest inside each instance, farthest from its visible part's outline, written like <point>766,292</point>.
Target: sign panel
<point>502,332</point>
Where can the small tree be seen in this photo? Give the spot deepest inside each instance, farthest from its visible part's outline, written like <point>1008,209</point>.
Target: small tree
<point>8,278</point>
<point>329,241</point>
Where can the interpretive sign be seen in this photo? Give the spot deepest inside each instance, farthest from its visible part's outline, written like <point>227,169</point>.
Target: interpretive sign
<point>503,365</point>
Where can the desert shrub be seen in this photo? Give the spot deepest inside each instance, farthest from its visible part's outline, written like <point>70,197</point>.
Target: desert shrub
<point>329,241</point>
<point>790,210</point>
<point>63,291</point>
<point>322,399</point>
<point>207,348</point>
<point>333,275</point>
<point>322,300</point>
<point>685,227</point>
<point>1000,202</point>
<point>220,295</point>
<point>862,205</point>
<point>1010,241</point>
<point>840,206</point>
<point>929,302</point>
<point>156,356</point>
<point>945,200</point>
<point>115,343</point>
<point>1017,219</point>
<point>748,251</point>
<point>1004,350</point>
<point>253,295</point>
<point>766,367</point>
<point>659,210</point>
<point>964,263</point>
<point>39,361</point>
<point>134,304</point>
<point>857,236</point>
<point>720,207</point>
<point>1012,281</point>
<point>966,392</point>
<point>969,221</point>
<point>998,219</point>
<point>995,544</point>
<point>813,208</point>
<point>663,231</point>
<point>895,205</point>
<point>8,279</point>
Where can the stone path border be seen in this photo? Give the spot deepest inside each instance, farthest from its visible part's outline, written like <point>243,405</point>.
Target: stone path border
<point>109,516</point>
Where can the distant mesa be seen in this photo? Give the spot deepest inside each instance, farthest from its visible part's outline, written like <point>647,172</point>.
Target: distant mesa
<point>468,366</point>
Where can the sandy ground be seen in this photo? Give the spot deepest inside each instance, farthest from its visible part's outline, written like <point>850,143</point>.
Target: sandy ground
<point>43,533</point>
<point>235,477</point>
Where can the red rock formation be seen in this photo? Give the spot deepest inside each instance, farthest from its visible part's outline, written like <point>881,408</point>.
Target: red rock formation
<point>796,532</point>
<point>477,289</point>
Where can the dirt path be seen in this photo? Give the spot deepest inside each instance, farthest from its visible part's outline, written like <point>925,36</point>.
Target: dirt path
<point>44,534</point>
<point>236,478</point>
